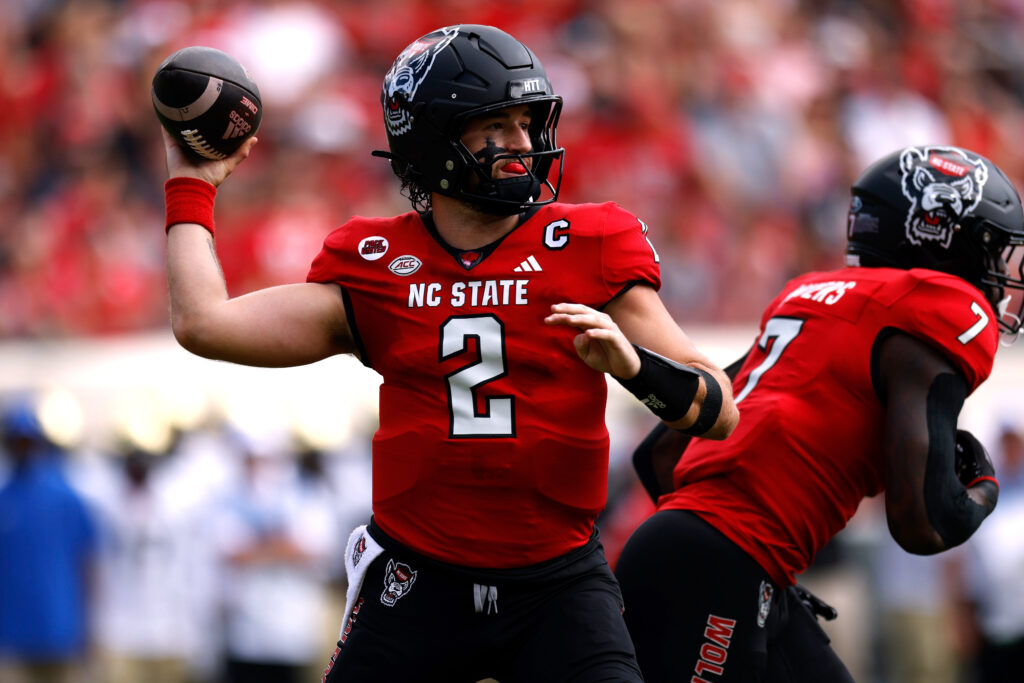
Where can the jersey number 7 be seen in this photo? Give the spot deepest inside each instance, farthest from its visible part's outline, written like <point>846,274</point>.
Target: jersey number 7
<point>783,331</point>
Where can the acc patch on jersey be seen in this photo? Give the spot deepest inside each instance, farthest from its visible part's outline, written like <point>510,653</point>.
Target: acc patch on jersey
<point>405,265</point>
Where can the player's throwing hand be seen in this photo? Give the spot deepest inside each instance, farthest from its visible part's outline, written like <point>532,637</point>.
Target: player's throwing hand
<point>213,172</point>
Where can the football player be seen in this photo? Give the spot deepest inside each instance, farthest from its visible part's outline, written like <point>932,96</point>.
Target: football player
<point>853,387</point>
<point>492,313</point>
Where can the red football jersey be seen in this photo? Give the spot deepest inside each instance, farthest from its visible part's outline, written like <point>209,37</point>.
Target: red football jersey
<point>808,446</point>
<point>492,450</point>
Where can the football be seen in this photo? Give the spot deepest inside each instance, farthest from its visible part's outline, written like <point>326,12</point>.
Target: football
<point>207,101</point>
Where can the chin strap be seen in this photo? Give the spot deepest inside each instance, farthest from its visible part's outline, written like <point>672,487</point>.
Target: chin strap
<point>518,191</point>
<point>503,196</point>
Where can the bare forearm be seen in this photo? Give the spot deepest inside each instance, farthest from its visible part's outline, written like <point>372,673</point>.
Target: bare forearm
<point>195,281</point>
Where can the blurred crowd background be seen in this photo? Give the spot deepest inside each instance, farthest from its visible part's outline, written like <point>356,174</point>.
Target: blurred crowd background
<point>733,128</point>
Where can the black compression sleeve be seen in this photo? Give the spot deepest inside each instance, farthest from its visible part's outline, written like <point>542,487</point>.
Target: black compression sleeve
<point>951,512</point>
<point>709,409</point>
<point>666,387</point>
<point>643,461</point>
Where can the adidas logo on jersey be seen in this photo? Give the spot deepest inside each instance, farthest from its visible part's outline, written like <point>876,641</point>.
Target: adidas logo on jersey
<point>530,265</point>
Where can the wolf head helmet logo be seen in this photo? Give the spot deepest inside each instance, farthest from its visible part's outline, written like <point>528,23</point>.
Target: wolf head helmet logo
<point>406,75</point>
<point>943,185</point>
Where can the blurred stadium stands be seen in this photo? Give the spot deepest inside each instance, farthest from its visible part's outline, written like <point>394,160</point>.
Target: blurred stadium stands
<point>732,128</point>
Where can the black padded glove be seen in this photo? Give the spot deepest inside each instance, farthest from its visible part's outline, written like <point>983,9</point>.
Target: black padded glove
<point>972,461</point>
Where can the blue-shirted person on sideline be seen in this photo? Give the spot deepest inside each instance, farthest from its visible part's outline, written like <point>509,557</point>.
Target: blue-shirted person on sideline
<point>48,542</point>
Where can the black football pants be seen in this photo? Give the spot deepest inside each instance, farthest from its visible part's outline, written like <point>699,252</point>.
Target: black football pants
<point>557,622</point>
<point>699,609</point>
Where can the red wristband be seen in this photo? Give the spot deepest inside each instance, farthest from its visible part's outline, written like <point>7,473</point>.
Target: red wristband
<point>189,200</point>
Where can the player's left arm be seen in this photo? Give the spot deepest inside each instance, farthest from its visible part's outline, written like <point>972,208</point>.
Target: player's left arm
<point>940,484</point>
<point>635,338</point>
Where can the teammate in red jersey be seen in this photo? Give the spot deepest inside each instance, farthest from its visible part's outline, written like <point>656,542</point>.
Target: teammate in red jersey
<point>853,387</point>
<point>492,312</point>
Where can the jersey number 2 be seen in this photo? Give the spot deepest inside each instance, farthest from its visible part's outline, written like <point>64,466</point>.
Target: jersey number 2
<point>496,418</point>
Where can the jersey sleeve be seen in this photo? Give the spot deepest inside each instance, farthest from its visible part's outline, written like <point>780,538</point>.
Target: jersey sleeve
<point>952,316</point>
<point>627,253</point>
<point>327,266</point>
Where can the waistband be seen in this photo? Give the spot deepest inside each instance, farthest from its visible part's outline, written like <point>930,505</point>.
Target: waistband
<point>578,560</point>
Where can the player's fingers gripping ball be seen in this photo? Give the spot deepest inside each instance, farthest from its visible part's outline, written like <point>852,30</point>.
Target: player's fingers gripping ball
<point>207,101</point>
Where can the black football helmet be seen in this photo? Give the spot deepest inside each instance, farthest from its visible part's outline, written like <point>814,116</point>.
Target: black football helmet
<point>439,82</point>
<point>943,208</point>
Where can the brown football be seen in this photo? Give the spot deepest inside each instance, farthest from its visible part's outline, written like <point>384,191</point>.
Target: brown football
<point>207,101</point>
